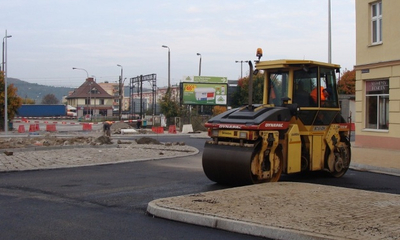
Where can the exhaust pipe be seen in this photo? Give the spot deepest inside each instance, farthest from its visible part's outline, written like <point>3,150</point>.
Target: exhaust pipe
<point>250,106</point>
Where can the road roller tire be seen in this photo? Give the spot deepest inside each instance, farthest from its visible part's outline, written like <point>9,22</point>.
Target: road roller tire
<point>228,164</point>
<point>342,160</point>
<point>276,167</point>
<point>232,165</point>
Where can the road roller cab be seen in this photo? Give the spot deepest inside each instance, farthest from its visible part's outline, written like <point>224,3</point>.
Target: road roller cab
<point>297,128</point>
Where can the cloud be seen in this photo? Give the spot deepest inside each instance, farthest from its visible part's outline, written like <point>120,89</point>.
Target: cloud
<point>50,37</point>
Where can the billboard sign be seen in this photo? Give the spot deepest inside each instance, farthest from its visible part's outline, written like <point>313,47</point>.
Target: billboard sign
<point>204,93</point>
<point>205,79</point>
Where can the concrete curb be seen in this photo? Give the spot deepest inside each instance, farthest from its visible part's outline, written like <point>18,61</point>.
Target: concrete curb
<point>369,168</point>
<point>231,225</point>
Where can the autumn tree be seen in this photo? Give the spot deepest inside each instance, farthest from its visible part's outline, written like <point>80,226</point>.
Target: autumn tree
<point>241,96</point>
<point>13,100</point>
<point>28,101</point>
<point>218,110</point>
<point>50,99</point>
<point>346,84</point>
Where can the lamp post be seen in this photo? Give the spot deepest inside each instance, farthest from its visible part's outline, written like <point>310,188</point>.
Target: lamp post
<point>198,54</point>
<point>329,33</point>
<point>241,67</point>
<point>90,95</point>
<point>120,92</point>
<point>90,99</point>
<point>5,63</point>
<point>94,110</point>
<point>169,66</point>
<point>87,74</point>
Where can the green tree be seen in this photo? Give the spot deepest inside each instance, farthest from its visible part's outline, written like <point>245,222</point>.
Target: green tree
<point>347,83</point>
<point>50,99</point>
<point>13,100</point>
<point>169,106</point>
<point>241,96</point>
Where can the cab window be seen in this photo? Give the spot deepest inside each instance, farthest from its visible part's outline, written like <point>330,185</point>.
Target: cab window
<point>305,81</point>
<point>328,83</point>
<point>277,87</point>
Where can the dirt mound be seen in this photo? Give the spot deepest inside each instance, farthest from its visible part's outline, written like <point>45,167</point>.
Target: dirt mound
<point>147,140</point>
<point>104,140</point>
<point>120,125</point>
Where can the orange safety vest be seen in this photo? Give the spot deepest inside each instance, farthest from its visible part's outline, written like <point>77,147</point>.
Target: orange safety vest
<point>313,94</point>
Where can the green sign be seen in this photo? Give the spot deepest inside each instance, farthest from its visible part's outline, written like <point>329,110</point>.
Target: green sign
<point>205,93</point>
<point>205,79</point>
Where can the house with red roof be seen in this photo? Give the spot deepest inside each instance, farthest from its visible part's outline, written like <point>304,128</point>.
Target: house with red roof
<point>90,99</point>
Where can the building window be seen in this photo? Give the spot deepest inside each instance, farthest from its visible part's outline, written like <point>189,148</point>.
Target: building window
<point>377,105</point>
<point>376,22</point>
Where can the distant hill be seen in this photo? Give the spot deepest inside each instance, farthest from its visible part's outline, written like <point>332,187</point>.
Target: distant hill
<point>37,92</point>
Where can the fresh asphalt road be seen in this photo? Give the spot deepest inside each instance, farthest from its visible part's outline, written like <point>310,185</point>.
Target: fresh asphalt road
<point>110,201</point>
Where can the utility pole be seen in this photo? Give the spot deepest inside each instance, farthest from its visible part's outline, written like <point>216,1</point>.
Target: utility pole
<point>120,96</point>
<point>329,33</point>
<point>198,54</point>
<point>169,66</point>
<point>241,67</point>
<point>5,64</point>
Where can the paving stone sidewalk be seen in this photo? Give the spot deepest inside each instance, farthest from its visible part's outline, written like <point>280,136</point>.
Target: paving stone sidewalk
<point>289,211</point>
<point>76,156</point>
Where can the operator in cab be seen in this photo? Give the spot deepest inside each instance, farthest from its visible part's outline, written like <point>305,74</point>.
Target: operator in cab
<point>325,93</point>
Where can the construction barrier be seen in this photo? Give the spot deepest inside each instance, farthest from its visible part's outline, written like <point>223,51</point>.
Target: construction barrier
<point>21,129</point>
<point>87,127</point>
<point>157,129</point>
<point>187,128</point>
<point>32,128</point>
<point>50,127</point>
<point>172,129</point>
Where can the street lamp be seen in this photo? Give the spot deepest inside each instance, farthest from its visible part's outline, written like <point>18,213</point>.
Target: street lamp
<point>120,92</point>
<point>198,54</point>
<point>169,66</point>
<point>241,67</point>
<point>5,63</point>
<point>94,109</point>
<point>90,92</point>
<point>329,33</point>
<point>90,99</point>
<point>87,74</point>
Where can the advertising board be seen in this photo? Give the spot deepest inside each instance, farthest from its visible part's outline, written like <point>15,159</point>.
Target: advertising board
<point>204,93</point>
<point>205,79</point>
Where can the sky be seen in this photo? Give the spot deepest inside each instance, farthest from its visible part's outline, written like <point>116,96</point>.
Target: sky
<point>50,37</point>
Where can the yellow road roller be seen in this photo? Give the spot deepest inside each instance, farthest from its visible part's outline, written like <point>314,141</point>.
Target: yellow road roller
<point>297,128</point>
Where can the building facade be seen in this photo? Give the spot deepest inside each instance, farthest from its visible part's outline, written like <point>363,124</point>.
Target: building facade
<point>90,100</point>
<point>377,74</point>
<point>113,90</point>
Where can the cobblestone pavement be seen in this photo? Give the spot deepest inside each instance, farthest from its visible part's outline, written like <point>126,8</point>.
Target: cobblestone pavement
<point>74,156</point>
<point>289,211</point>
